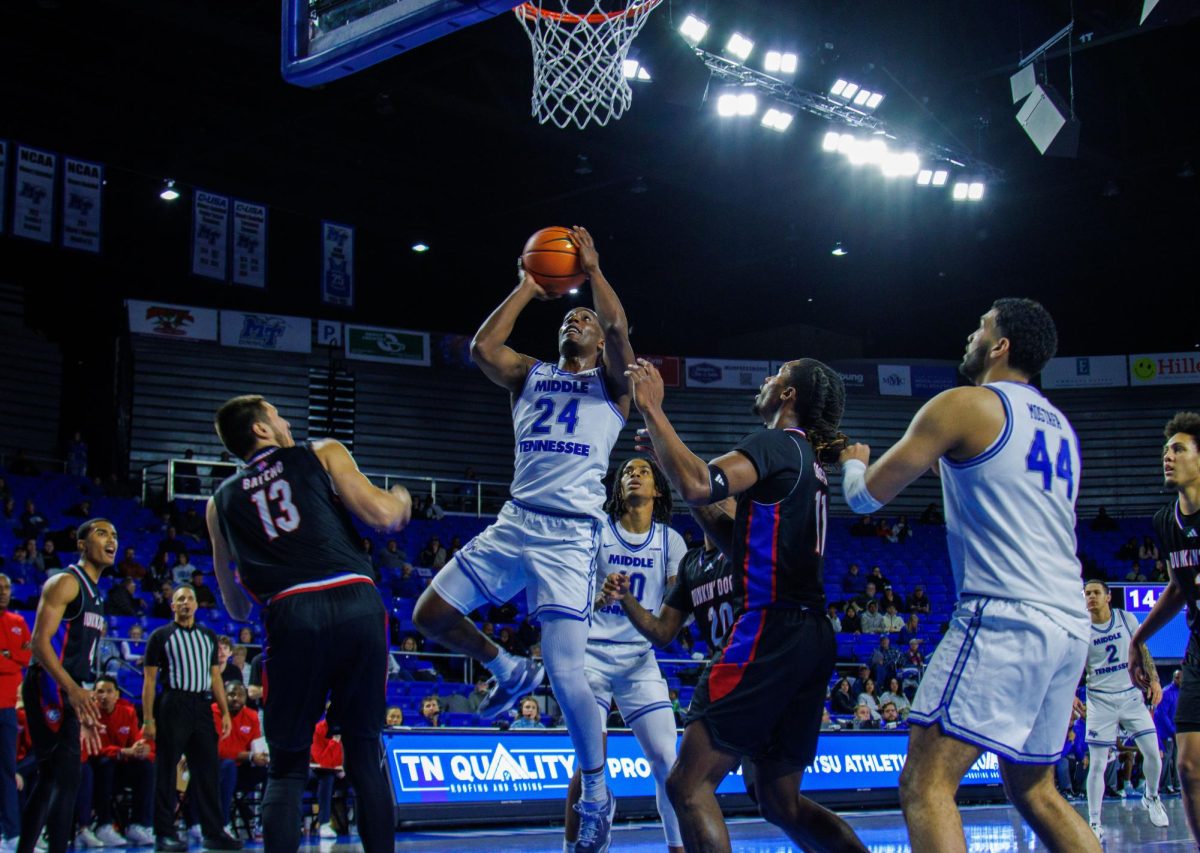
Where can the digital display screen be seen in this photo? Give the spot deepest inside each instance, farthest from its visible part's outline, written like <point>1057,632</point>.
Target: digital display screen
<point>1138,599</point>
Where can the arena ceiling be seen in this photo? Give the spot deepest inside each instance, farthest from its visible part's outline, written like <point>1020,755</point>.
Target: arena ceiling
<point>733,231</point>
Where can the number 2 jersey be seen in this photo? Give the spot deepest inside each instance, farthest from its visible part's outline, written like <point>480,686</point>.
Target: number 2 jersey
<point>1010,511</point>
<point>650,560</point>
<point>1108,654</point>
<point>565,426</point>
<point>286,525</point>
<point>1179,541</point>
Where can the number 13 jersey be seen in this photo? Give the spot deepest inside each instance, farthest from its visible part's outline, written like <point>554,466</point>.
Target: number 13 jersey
<point>286,525</point>
<point>1010,511</point>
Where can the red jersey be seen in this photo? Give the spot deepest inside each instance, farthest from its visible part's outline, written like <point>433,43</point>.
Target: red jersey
<point>121,731</point>
<point>245,729</point>
<point>326,753</point>
<point>15,653</point>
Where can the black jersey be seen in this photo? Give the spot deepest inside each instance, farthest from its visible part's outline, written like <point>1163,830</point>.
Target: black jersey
<point>779,527</point>
<point>1179,539</point>
<point>285,524</point>
<point>78,644</point>
<point>707,587</point>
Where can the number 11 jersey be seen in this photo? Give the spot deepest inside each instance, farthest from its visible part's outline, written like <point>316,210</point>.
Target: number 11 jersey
<point>286,525</point>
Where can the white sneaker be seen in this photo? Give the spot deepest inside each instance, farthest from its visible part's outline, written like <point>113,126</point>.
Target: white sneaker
<point>1099,831</point>
<point>194,832</point>
<point>43,842</point>
<point>1158,815</point>
<point>326,830</point>
<point>138,834</point>
<point>87,838</point>
<point>109,836</point>
<point>1128,791</point>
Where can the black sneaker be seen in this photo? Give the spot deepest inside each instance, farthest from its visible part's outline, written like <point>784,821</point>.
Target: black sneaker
<point>224,841</point>
<point>169,842</point>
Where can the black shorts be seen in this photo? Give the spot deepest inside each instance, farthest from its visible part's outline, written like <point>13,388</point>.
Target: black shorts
<point>329,644</point>
<point>1187,712</point>
<point>763,696</point>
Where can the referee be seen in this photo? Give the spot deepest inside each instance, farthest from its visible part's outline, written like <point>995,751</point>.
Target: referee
<point>182,659</point>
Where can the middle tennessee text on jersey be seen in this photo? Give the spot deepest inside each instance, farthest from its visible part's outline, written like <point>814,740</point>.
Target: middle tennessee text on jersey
<point>650,559</point>
<point>565,427</point>
<point>1108,654</point>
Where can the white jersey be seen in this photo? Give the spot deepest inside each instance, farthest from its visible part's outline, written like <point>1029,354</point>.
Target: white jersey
<point>1010,511</point>
<point>1108,654</point>
<point>565,427</point>
<point>650,559</point>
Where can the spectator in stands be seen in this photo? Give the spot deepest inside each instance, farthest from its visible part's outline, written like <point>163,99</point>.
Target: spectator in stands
<point>240,659</point>
<point>1067,770</point>
<point>842,699</point>
<point>1128,551</point>
<point>910,630</point>
<point>1103,522</point>
<point>827,723</point>
<point>869,698</point>
<point>431,711</point>
<point>129,567</point>
<point>892,623</point>
<point>932,515</point>
<point>125,759</point>
<point>187,481</point>
<point>368,548</point>
<point>122,600</point>
<point>831,613</point>
<point>77,455</point>
<point>872,619</point>
<point>1159,575</point>
<point>863,718</point>
<point>1135,572</point>
<point>414,667</point>
<point>895,695</point>
<point>32,521</point>
<point>433,554</point>
<point>509,642</point>
<point>1164,722</point>
<point>853,583</point>
<point>391,557</point>
<point>866,596</point>
<point>912,667</point>
<point>35,557</point>
<point>50,559</point>
<point>434,510</point>
<point>890,717</point>
<point>919,602</point>
<point>395,716</point>
<point>877,577</point>
<point>15,654</point>
<point>22,567</point>
<point>408,585</point>
<point>528,634</point>
<point>901,531</point>
<point>9,520</point>
<point>181,572</point>
<point>229,672</point>
<point>83,509</point>
<point>192,526</point>
<point>132,651</point>
<point>890,596</point>
<point>859,684</point>
<point>161,609</point>
<point>455,546</point>
<point>1148,551</point>
<point>171,543</point>
<point>883,528</point>
<point>530,717</point>
<point>241,767</point>
<point>864,527</point>
<point>852,622</point>
<point>885,660</point>
<point>204,593</point>
<point>327,760</point>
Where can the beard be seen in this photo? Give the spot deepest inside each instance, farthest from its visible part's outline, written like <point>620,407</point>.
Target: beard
<point>973,364</point>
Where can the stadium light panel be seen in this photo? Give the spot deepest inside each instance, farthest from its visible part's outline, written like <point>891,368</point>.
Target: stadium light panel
<point>924,177</point>
<point>861,98</point>
<point>838,87</point>
<point>831,140</point>
<point>169,193</point>
<point>693,29</point>
<point>875,100</point>
<point>975,191</point>
<point>940,176</point>
<point>849,91</point>
<point>960,191</point>
<point>740,46</point>
<point>777,119</point>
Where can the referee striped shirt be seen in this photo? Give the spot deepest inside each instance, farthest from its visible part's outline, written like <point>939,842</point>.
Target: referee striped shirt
<point>184,657</point>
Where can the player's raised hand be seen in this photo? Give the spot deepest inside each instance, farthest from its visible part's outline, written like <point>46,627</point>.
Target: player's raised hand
<point>861,452</point>
<point>643,444</point>
<point>589,258</point>
<point>536,290</point>
<point>647,385</point>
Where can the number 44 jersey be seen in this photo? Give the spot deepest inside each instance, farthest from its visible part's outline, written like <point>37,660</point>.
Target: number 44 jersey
<point>286,525</point>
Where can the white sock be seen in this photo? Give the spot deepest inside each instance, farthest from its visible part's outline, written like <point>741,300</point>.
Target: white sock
<point>1151,762</point>
<point>595,788</point>
<point>503,666</point>
<point>1097,764</point>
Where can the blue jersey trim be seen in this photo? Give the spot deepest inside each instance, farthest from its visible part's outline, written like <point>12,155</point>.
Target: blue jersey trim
<point>616,529</point>
<point>997,445</point>
<point>641,712</point>
<point>1111,621</point>
<point>1137,735</point>
<point>1111,692</point>
<point>981,741</point>
<point>540,510</point>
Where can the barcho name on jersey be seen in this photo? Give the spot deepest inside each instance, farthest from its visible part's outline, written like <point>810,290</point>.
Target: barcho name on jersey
<point>260,479</point>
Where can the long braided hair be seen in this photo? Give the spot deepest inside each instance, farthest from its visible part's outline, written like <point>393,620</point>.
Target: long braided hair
<point>616,505</point>
<point>820,401</point>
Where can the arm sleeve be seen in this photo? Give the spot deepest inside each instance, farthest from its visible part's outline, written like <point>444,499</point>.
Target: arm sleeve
<point>778,458</point>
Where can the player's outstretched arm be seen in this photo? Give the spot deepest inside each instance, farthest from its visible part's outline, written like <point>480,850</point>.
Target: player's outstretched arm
<point>234,597</point>
<point>384,510</point>
<point>659,630</point>
<point>1169,603</point>
<point>499,362</point>
<point>618,352</point>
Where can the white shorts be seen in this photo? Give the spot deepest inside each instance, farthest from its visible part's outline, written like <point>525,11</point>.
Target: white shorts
<point>1003,678</point>
<point>1108,711</point>
<point>551,557</point>
<point>629,673</point>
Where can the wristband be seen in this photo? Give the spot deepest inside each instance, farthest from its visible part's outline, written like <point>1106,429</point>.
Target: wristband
<point>718,485</point>
<point>854,487</point>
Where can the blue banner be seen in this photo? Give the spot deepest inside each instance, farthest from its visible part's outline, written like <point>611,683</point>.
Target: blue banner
<point>485,765</point>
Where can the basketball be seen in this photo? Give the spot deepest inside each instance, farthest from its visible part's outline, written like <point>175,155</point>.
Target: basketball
<point>552,258</point>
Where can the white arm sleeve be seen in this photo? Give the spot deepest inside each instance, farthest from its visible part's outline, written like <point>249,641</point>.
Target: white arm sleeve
<point>854,487</point>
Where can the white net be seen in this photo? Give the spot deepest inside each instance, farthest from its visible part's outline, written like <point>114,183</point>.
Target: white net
<point>579,58</point>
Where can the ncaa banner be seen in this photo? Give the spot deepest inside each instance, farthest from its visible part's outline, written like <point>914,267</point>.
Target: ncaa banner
<point>337,264</point>
<point>895,380</point>
<point>250,244</point>
<point>1164,368</point>
<point>172,321</point>
<point>82,188</point>
<point>3,182</point>
<point>725,373</point>
<point>266,331</point>
<point>1086,371</point>
<point>33,206</point>
<point>210,235</point>
<point>387,346</point>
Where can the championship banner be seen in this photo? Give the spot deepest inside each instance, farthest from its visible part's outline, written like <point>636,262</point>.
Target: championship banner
<point>725,373</point>
<point>3,182</point>
<point>33,206</point>
<point>337,265</point>
<point>1164,368</point>
<point>1086,371</point>
<point>668,366</point>
<point>172,321</point>
<point>440,766</point>
<point>388,346</point>
<point>929,380</point>
<point>250,244</point>
<point>895,380</point>
<point>210,235</point>
<point>266,331</point>
<point>82,189</point>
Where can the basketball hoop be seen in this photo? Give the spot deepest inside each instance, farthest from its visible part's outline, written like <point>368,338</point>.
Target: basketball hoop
<point>579,58</point>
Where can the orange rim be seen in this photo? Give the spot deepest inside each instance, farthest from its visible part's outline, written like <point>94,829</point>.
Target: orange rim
<point>528,10</point>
